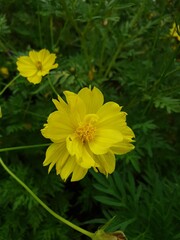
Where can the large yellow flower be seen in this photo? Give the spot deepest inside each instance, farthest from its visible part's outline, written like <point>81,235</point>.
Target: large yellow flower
<point>85,133</point>
<point>36,65</point>
<point>175,31</point>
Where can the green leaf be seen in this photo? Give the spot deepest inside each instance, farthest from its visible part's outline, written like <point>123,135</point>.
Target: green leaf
<point>109,201</point>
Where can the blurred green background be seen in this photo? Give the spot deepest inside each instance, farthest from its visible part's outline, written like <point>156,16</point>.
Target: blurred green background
<point>125,49</point>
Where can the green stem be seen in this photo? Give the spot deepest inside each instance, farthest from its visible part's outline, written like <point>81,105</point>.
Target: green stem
<point>173,71</point>
<point>51,85</point>
<point>39,25</point>
<point>7,85</point>
<point>51,32</point>
<point>23,147</point>
<point>138,14</point>
<point>113,59</point>
<point>81,230</point>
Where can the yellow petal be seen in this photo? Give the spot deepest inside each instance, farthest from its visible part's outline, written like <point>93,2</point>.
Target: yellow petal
<point>58,128</point>
<point>46,58</point>
<point>34,56</point>
<point>80,150</point>
<point>106,162</point>
<point>78,173</point>
<point>25,60</point>
<point>63,158</point>
<point>77,107</point>
<point>43,54</point>
<point>104,139</point>
<point>93,99</point>
<point>26,67</point>
<point>110,116</point>
<point>87,159</point>
<point>56,153</point>
<point>35,79</point>
<point>122,148</point>
<point>27,72</point>
<point>61,105</point>
<point>67,168</point>
<point>46,68</point>
<point>74,146</point>
<point>127,133</point>
<point>49,61</point>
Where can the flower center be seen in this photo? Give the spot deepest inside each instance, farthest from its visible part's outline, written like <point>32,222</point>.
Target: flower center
<point>39,65</point>
<point>86,132</point>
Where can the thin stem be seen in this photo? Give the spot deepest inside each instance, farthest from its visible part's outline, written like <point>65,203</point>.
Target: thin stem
<point>138,14</point>
<point>173,71</point>
<point>113,59</point>
<point>9,84</point>
<point>39,24</point>
<point>51,85</point>
<point>24,147</point>
<point>81,230</point>
<point>51,32</point>
<point>70,17</point>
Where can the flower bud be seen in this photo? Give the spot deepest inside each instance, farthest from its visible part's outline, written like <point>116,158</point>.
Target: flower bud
<point>101,235</point>
<point>4,72</point>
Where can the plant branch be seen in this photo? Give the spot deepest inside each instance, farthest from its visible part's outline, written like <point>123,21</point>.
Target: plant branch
<point>70,224</point>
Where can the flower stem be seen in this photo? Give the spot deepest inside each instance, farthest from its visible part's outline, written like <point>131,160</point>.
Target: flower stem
<point>51,85</point>
<point>9,84</point>
<point>23,147</point>
<point>113,59</point>
<point>51,32</point>
<point>81,230</point>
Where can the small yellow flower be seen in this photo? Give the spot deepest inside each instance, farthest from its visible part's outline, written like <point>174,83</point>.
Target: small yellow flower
<point>86,133</point>
<point>174,31</point>
<point>4,72</point>
<point>36,65</point>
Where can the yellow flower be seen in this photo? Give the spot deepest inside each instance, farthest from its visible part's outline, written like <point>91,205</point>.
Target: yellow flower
<point>4,71</point>
<point>36,65</point>
<point>174,31</point>
<point>85,133</point>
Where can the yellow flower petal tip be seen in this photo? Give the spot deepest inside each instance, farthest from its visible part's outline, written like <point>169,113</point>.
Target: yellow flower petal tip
<point>36,65</point>
<point>86,133</point>
<point>175,31</point>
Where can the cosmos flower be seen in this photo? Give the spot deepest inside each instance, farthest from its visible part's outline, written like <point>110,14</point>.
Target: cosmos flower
<point>175,31</point>
<point>86,134</point>
<point>36,65</point>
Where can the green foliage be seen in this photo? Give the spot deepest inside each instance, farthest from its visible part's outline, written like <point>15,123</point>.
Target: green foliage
<point>125,49</point>
<point>144,202</point>
<point>4,29</point>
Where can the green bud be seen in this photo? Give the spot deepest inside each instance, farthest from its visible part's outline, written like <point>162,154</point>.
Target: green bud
<point>101,235</point>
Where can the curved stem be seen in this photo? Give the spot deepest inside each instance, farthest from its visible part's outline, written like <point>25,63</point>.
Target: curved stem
<point>81,230</point>
<point>9,84</point>
<point>23,147</point>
